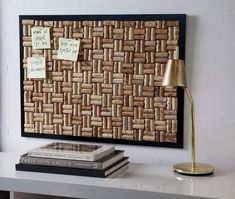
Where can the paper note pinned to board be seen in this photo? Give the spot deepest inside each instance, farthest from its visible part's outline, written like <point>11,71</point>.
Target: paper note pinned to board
<point>36,67</point>
<point>68,49</point>
<point>40,38</point>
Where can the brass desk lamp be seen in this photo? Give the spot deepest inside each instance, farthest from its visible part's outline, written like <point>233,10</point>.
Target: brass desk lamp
<point>175,76</point>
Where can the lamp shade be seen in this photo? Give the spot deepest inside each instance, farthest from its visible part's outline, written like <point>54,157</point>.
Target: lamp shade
<point>174,74</point>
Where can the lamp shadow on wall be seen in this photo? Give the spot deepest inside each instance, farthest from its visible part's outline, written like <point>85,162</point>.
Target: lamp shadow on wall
<point>191,45</point>
<point>0,73</point>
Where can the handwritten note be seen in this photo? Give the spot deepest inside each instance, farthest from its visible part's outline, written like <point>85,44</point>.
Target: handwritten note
<point>36,67</point>
<point>68,49</point>
<point>40,38</point>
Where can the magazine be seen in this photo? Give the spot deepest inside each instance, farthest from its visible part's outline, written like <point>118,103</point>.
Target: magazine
<point>75,151</point>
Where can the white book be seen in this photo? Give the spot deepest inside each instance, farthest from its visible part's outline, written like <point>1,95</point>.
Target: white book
<point>74,151</point>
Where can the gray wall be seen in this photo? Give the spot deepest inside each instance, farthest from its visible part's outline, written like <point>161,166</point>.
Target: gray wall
<point>210,51</point>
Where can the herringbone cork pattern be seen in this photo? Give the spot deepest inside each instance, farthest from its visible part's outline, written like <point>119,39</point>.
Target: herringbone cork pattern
<point>113,90</point>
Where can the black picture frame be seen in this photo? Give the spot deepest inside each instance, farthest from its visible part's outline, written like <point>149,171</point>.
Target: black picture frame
<point>153,17</point>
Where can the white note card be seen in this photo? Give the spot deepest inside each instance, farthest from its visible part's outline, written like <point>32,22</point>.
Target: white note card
<point>36,67</point>
<point>68,49</point>
<point>40,38</point>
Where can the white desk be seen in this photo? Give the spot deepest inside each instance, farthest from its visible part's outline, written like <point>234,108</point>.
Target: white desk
<point>141,181</point>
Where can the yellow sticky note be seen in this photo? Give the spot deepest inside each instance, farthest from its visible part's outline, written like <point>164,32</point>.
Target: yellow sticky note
<point>40,38</point>
<point>36,67</point>
<point>68,49</point>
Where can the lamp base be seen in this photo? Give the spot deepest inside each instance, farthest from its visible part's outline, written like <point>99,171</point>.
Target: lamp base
<point>199,169</point>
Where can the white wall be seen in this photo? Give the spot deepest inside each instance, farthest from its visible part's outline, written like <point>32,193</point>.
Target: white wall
<point>210,52</point>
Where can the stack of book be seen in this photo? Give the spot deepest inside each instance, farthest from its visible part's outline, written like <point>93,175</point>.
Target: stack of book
<point>75,159</point>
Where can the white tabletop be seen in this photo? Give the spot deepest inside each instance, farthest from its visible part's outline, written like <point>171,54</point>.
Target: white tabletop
<point>139,181</point>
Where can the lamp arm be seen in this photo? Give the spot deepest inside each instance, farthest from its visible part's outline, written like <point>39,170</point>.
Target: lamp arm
<point>189,95</point>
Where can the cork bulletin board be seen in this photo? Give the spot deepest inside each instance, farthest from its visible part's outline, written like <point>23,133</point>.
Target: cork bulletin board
<point>98,78</point>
